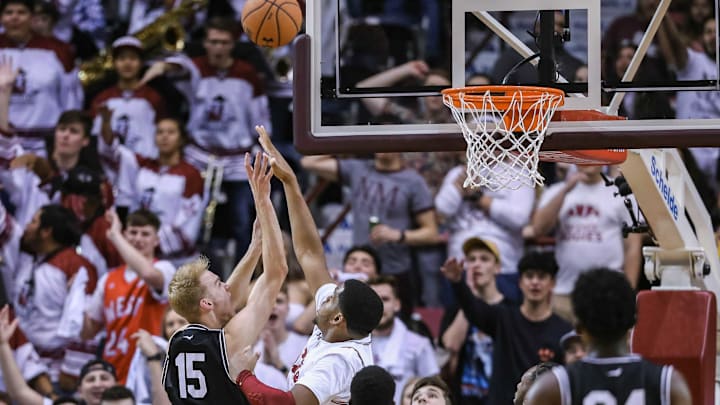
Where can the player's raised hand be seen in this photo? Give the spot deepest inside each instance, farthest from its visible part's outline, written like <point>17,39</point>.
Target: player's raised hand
<point>7,73</point>
<point>245,359</point>
<point>259,175</point>
<point>280,167</point>
<point>452,269</point>
<point>7,328</point>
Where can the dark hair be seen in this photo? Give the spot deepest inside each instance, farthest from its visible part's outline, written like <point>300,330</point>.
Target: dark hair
<point>226,24</point>
<point>361,307</point>
<point>27,3</point>
<point>95,365</point>
<point>65,227</point>
<point>48,8</point>
<point>66,400</point>
<point>389,280</point>
<point>76,117</point>
<point>543,262</point>
<point>372,385</point>
<point>367,249</point>
<point>184,134</point>
<point>434,381</point>
<point>604,304</point>
<point>143,217</point>
<point>4,397</point>
<point>117,392</point>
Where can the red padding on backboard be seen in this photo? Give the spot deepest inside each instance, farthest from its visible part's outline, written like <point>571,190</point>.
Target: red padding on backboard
<point>679,328</point>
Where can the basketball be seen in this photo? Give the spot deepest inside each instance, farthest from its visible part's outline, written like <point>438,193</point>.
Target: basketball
<point>271,23</point>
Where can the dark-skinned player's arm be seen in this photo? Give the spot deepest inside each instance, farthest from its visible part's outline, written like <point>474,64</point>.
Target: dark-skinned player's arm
<point>244,328</point>
<point>239,280</point>
<point>306,239</point>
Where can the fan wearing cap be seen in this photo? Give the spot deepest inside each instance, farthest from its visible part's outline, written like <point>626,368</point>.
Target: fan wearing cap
<point>95,376</point>
<point>46,83</point>
<point>523,335</point>
<point>128,110</point>
<point>471,349</point>
<point>339,346</point>
<point>574,348</point>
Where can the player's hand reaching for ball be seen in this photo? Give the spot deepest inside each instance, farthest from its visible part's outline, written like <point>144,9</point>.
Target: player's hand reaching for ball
<point>245,359</point>
<point>280,167</point>
<point>259,175</point>
<point>452,269</point>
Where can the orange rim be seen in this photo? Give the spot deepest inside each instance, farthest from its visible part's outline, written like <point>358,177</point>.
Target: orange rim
<point>502,96</point>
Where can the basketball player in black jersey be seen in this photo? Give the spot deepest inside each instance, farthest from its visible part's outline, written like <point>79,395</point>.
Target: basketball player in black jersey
<point>196,369</point>
<point>604,304</point>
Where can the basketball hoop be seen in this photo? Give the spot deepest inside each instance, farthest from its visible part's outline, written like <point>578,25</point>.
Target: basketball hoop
<point>504,127</point>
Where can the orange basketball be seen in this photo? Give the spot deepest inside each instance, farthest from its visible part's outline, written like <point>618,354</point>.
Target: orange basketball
<point>271,23</point>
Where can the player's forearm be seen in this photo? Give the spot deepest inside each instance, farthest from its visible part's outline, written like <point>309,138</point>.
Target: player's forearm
<point>258,393</point>
<point>158,394</point>
<point>273,248</point>
<point>306,239</point>
<point>239,280</point>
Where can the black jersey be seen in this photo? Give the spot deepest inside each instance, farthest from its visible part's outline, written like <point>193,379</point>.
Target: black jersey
<point>626,380</point>
<point>196,369</point>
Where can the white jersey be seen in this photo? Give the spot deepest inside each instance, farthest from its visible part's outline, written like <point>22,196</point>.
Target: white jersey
<point>174,194</point>
<point>588,231</point>
<point>502,224</point>
<point>46,85</point>
<point>327,369</point>
<point>225,107</point>
<point>134,114</point>
<point>404,354</point>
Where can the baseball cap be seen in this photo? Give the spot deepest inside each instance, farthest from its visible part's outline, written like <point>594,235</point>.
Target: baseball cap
<point>95,365</point>
<point>83,181</point>
<point>127,41</point>
<point>569,338</point>
<point>477,243</point>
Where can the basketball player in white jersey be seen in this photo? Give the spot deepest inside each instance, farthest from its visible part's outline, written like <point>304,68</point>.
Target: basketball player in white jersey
<point>604,304</point>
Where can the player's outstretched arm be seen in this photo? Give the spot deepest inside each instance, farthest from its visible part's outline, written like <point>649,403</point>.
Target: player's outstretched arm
<point>244,328</point>
<point>239,280</point>
<point>306,239</point>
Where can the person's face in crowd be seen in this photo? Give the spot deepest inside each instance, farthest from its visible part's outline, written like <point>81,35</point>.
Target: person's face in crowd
<point>536,286</point>
<point>329,312</point>
<point>172,322</point>
<point>125,401</point>
<point>143,238</point>
<point>279,314</point>
<point>429,395</point>
<point>42,24</point>
<point>33,237</point>
<point>622,62</point>
<point>360,262</point>
<point>16,20</point>
<point>709,37</point>
<point>481,266</point>
<point>127,63</point>
<point>700,10</point>
<point>94,384</point>
<point>435,104</point>
<point>70,139</point>
<point>391,305</point>
<point>168,137</point>
<point>592,172</point>
<point>218,45</point>
<point>574,352</point>
<point>217,297</point>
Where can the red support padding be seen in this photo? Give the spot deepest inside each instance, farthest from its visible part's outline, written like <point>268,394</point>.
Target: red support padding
<point>679,328</point>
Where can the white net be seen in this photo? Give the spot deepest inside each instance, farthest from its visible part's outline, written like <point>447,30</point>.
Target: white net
<point>503,143</point>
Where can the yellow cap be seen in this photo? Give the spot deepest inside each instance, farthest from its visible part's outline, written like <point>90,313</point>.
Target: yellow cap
<point>477,243</point>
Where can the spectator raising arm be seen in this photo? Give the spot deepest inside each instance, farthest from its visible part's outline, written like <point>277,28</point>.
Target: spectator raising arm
<point>7,79</point>
<point>18,389</point>
<point>546,217</point>
<point>325,166</point>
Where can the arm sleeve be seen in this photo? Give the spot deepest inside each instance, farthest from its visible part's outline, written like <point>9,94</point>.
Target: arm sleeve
<point>180,234</point>
<point>23,186</point>
<point>94,307</point>
<point>512,208</point>
<point>477,311</point>
<point>71,320</point>
<point>421,200</point>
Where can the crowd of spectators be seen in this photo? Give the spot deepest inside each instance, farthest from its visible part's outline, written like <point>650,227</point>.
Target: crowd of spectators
<point>106,186</point>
